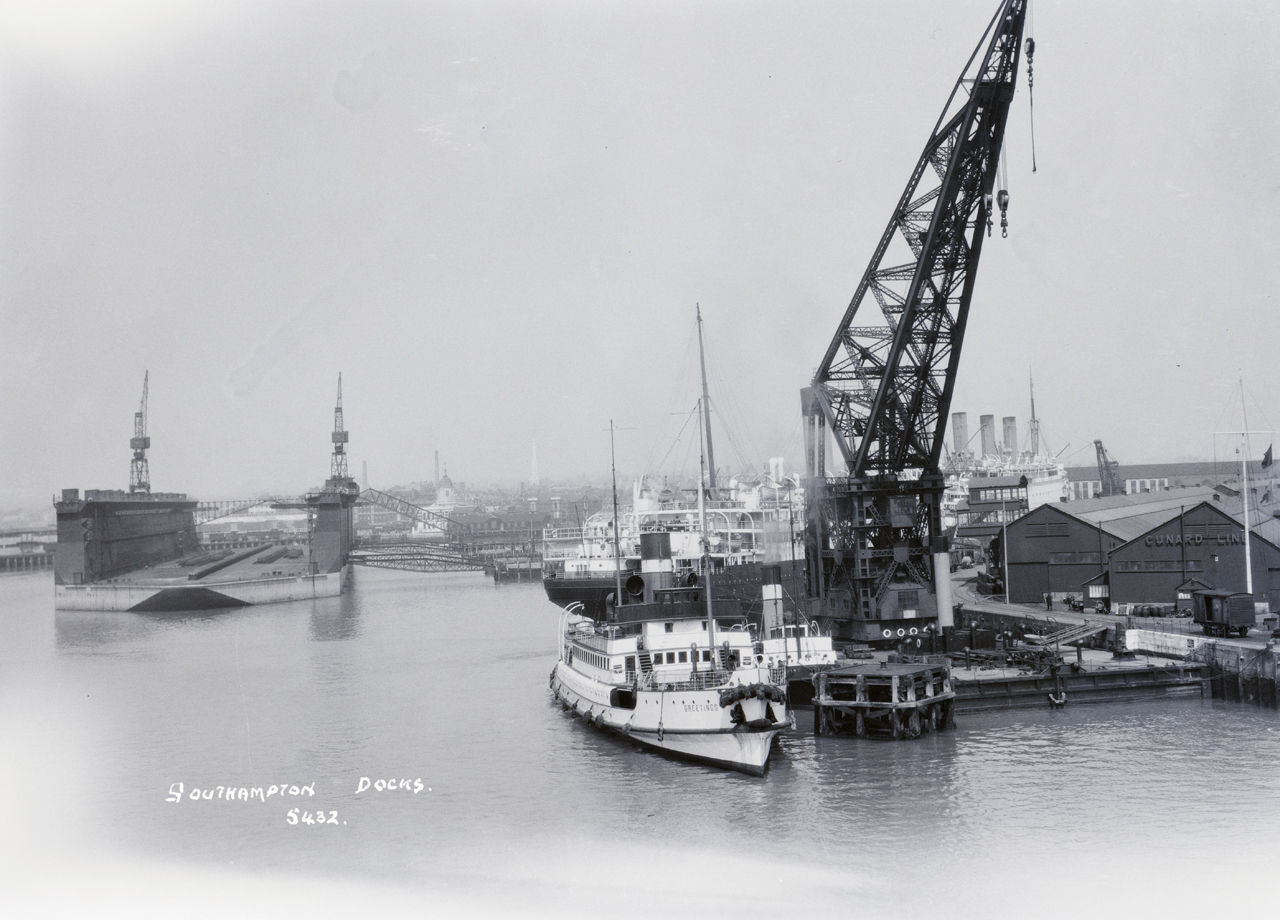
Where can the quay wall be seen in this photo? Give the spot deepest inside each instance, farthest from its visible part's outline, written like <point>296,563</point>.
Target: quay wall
<point>1168,645</point>
<point>1241,674</point>
<point>1238,673</point>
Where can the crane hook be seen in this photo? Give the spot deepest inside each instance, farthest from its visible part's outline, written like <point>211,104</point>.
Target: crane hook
<point>986,203</point>
<point>1002,198</point>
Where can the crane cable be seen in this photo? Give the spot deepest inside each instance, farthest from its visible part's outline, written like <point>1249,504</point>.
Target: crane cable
<point>1031,53</point>
<point>1031,78</point>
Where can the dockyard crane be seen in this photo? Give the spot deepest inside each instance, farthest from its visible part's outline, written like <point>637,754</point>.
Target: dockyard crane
<point>876,549</point>
<point>338,466</point>
<point>139,473</point>
<point>1108,472</point>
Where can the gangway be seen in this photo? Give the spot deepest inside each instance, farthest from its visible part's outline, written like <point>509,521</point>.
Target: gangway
<point>1071,634</point>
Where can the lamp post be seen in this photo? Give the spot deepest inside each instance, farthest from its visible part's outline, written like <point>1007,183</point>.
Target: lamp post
<point>1004,547</point>
<point>1004,540</point>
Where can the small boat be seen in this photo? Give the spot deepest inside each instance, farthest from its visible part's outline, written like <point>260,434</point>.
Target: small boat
<point>663,674</point>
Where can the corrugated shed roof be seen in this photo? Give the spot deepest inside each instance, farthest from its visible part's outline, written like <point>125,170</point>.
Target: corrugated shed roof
<point>1118,507</point>
<point>1128,516</point>
<point>1133,527</point>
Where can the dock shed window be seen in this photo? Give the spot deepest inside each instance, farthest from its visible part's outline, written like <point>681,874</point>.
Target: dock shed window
<point>1157,565</point>
<point>1075,559</point>
<point>1056,529</point>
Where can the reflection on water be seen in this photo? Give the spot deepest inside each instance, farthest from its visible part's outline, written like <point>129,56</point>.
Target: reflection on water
<point>443,678</point>
<point>336,618</point>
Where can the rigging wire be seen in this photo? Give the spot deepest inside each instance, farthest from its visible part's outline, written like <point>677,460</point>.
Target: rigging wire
<point>679,435</point>
<point>1257,405</point>
<point>746,451</point>
<point>675,397</point>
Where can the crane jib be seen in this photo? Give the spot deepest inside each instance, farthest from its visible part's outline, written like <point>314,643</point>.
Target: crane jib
<point>883,390</point>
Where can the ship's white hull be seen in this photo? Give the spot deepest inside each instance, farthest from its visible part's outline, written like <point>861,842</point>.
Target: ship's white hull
<point>692,724</point>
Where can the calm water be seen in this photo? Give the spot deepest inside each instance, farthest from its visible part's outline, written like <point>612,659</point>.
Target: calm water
<point>524,811</point>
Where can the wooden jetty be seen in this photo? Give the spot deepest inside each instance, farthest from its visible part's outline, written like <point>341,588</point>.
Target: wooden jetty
<point>897,699</point>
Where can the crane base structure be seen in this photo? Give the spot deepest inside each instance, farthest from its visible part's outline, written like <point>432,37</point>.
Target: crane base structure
<point>873,558</point>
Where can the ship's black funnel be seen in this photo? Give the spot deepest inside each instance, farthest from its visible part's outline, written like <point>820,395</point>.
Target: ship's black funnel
<point>655,546</point>
<point>655,563</point>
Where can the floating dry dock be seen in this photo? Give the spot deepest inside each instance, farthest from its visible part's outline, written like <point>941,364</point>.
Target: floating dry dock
<point>141,552</point>
<point>890,698</point>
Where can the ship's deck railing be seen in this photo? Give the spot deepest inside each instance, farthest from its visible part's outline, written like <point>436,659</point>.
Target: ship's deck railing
<point>562,533</point>
<point>703,680</point>
<point>626,573</point>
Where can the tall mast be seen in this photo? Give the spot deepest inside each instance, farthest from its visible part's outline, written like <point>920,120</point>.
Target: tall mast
<point>706,543</point>
<point>706,407</point>
<point>1035,422</point>
<point>617,553</point>
<point>1244,493</point>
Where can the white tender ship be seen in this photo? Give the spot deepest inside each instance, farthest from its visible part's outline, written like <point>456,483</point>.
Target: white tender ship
<point>666,672</point>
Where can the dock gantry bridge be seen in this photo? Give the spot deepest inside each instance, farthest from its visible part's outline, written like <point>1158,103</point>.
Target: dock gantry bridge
<point>442,550</point>
<point>446,553</point>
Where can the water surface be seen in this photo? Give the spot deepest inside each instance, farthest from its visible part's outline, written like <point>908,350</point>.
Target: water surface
<point>523,810</point>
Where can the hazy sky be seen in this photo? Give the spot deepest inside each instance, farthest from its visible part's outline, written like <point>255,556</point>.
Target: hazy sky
<point>495,220</point>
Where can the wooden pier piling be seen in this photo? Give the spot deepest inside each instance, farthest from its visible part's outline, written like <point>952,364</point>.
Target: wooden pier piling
<point>888,698</point>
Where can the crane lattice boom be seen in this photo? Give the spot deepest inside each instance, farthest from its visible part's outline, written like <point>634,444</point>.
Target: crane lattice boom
<point>876,553</point>
<point>885,383</point>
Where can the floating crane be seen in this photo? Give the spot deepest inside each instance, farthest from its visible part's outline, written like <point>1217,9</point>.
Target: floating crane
<point>139,472</point>
<point>877,558</point>
<point>1108,472</point>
